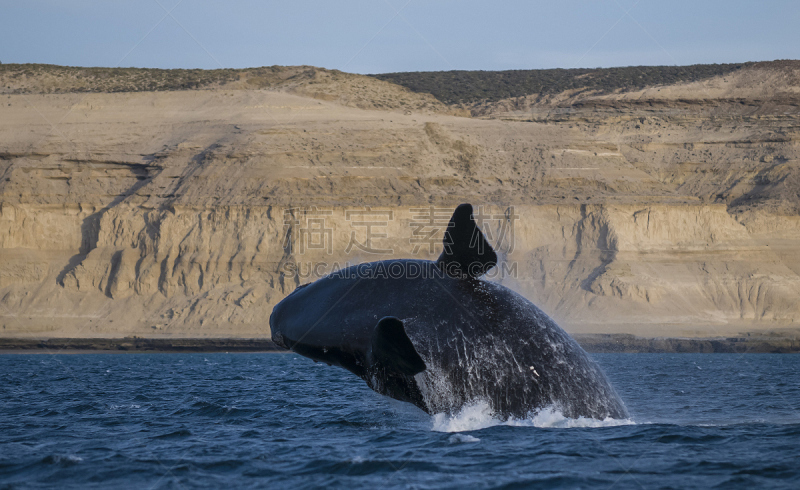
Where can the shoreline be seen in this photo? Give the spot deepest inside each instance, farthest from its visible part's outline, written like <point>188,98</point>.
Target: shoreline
<point>134,345</point>
<point>594,343</point>
<point>748,344</point>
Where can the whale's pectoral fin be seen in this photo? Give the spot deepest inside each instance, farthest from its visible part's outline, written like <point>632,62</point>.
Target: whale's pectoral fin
<point>466,251</point>
<point>392,350</point>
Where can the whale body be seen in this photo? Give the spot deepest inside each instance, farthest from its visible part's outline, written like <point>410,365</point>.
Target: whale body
<point>434,334</point>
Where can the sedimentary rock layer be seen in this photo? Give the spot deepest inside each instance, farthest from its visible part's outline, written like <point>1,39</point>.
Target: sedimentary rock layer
<point>192,213</point>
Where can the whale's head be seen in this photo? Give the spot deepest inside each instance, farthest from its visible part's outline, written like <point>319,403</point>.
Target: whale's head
<point>320,321</point>
<point>284,324</point>
<point>326,321</point>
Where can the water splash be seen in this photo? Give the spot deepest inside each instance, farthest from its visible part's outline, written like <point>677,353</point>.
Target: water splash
<point>479,416</point>
<point>462,438</point>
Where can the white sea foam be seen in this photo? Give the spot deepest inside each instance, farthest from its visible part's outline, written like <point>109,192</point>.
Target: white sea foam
<point>479,416</point>
<point>119,407</point>
<point>461,438</point>
<point>63,459</point>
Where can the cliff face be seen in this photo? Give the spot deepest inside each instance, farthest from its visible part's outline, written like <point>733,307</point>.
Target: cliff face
<point>217,271</point>
<point>192,213</point>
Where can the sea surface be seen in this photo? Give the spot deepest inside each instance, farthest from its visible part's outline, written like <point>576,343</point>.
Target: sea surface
<point>282,421</point>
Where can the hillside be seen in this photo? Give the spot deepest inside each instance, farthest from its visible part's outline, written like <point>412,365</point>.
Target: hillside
<point>669,210</point>
<point>332,85</point>
<point>481,88</point>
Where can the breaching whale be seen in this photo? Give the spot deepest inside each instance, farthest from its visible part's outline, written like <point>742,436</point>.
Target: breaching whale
<point>436,335</point>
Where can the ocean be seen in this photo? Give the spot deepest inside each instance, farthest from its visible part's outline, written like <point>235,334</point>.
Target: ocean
<point>282,421</point>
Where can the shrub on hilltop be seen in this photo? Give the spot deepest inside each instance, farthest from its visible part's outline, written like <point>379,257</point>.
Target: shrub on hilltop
<point>36,78</point>
<point>469,87</point>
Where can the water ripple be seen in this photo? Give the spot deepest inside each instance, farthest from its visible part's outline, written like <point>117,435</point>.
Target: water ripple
<point>256,420</point>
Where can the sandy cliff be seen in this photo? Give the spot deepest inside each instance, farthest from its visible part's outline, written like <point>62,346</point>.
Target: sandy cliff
<point>672,211</point>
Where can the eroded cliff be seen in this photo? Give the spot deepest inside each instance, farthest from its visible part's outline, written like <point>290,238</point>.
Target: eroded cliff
<point>191,213</point>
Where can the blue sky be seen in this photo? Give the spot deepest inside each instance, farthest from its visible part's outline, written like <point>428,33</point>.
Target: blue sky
<point>380,36</point>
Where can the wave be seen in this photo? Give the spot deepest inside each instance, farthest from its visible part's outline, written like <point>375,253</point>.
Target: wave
<point>479,416</point>
<point>62,459</point>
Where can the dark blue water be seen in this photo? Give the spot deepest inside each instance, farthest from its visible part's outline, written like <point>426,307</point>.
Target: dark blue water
<point>279,420</point>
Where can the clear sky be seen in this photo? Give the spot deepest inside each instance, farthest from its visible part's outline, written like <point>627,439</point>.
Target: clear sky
<point>378,36</point>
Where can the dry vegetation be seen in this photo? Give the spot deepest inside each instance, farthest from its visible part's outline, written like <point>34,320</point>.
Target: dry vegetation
<point>331,85</point>
<point>34,78</point>
<point>471,87</point>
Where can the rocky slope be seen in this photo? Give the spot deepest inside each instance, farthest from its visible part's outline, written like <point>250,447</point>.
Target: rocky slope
<point>671,211</point>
